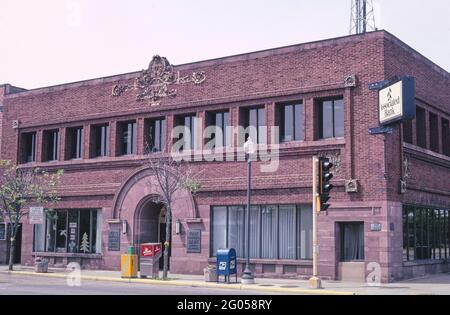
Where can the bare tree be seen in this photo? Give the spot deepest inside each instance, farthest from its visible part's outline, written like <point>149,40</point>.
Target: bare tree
<point>20,186</point>
<point>171,177</point>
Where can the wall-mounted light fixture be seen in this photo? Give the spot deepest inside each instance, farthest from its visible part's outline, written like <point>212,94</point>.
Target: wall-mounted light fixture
<point>124,226</point>
<point>178,227</point>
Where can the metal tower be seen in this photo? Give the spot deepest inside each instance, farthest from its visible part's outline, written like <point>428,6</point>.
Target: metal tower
<point>362,17</point>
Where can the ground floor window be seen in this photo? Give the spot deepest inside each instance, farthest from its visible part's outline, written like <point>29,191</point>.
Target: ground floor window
<point>276,231</point>
<point>425,233</point>
<point>69,231</point>
<point>352,241</point>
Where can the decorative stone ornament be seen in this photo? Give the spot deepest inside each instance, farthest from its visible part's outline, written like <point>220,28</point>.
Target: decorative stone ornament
<point>153,84</point>
<point>351,186</point>
<point>403,187</point>
<point>350,81</point>
<point>15,124</point>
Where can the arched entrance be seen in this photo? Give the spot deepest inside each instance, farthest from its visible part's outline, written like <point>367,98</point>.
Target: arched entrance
<point>150,223</point>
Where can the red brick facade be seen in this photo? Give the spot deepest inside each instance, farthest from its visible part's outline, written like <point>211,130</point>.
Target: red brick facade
<point>307,72</point>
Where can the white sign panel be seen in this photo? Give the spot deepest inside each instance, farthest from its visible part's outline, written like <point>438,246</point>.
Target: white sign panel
<point>391,102</point>
<point>36,215</point>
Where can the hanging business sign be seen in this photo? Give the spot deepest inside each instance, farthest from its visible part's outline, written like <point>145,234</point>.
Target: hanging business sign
<point>397,102</point>
<point>36,215</point>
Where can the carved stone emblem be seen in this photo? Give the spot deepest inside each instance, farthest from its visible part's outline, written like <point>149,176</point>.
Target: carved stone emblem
<point>351,186</point>
<point>350,81</point>
<point>155,83</point>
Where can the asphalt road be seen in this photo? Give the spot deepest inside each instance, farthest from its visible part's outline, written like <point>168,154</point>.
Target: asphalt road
<point>29,285</point>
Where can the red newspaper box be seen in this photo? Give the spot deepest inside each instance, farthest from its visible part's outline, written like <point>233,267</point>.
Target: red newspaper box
<point>150,253</point>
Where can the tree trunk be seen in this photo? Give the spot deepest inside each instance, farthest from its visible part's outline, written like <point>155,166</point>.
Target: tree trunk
<point>168,242</point>
<point>12,247</point>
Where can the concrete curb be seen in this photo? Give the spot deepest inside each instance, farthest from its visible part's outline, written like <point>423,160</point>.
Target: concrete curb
<point>185,283</point>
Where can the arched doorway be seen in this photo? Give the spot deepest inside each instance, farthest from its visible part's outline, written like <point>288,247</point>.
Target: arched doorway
<point>150,224</point>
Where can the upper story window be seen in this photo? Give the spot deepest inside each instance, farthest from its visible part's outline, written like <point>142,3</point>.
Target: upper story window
<point>407,131</point>
<point>155,135</point>
<point>50,145</point>
<point>189,135</point>
<point>221,137</point>
<point>434,132</point>
<point>100,140</point>
<point>291,122</point>
<point>445,137</point>
<point>255,121</point>
<point>74,143</point>
<point>331,118</point>
<point>421,127</point>
<point>28,147</point>
<point>127,137</point>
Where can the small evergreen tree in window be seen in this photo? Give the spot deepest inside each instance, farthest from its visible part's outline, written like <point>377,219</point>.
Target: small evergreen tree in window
<point>85,243</point>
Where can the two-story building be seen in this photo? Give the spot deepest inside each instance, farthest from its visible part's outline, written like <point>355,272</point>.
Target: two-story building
<point>389,208</point>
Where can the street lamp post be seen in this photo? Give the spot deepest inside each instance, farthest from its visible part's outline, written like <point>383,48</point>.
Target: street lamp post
<point>250,149</point>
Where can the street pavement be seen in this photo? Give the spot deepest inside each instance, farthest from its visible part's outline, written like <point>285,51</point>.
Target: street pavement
<point>25,281</point>
<point>35,285</point>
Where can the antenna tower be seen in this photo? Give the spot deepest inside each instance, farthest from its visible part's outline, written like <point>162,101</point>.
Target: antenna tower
<point>362,18</point>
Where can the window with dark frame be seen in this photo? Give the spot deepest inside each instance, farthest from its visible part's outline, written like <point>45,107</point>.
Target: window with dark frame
<point>421,128</point>
<point>222,135</point>
<point>331,118</point>
<point>255,121</point>
<point>445,137</point>
<point>425,233</point>
<point>291,121</point>
<point>50,145</point>
<point>407,132</point>
<point>267,239</point>
<point>74,142</point>
<point>155,135</point>
<point>127,133</point>
<point>69,231</point>
<point>190,135</point>
<point>434,132</point>
<point>100,140</point>
<point>28,147</point>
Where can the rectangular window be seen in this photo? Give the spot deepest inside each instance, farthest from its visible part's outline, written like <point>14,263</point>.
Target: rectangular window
<point>127,137</point>
<point>291,122</point>
<point>255,122</point>
<point>155,135</point>
<point>427,233</point>
<point>407,132</point>
<point>74,143</point>
<point>50,145</point>
<point>222,135</point>
<point>445,137</point>
<point>421,127</point>
<point>276,232</point>
<point>331,118</point>
<point>100,140</point>
<point>189,137</point>
<point>352,241</point>
<point>69,231</point>
<point>434,132</point>
<point>29,147</point>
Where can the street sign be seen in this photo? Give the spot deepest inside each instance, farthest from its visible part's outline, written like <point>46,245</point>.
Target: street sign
<point>397,102</point>
<point>36,215</point>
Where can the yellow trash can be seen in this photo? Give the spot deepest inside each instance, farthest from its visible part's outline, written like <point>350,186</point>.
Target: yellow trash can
<point>129,265</point>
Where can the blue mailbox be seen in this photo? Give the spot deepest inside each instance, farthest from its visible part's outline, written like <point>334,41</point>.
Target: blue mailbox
<point>226,264</point>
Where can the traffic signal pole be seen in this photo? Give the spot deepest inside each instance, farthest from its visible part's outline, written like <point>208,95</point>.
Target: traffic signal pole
<point>314,281</point>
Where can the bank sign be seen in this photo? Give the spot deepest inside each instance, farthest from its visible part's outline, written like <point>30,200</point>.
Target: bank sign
<point>397,102</point>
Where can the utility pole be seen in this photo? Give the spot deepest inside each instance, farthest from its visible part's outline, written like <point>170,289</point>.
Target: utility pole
<point>362,17</point>
<point>314,281</point>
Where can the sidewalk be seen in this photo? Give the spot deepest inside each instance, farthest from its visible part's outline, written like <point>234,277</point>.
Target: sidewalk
<point>433,284</point>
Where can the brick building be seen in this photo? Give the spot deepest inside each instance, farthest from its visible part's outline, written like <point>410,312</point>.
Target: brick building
<point>391,200</point>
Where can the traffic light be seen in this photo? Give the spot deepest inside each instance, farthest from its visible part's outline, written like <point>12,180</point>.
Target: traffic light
<point>324,183</point>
